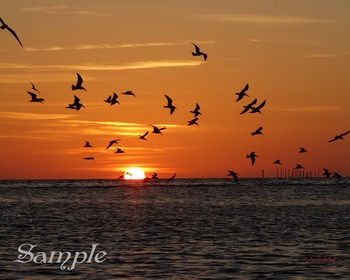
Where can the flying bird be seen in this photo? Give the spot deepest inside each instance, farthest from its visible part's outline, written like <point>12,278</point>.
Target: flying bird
<point>129,92</point>
<point>252,156</point>
<point>87,144</point>
<point>326,173</point>
<point>143,137</point>
<point>76,104</point>
<point>258,131</point>
<point>196,111</point>
<point>303,150</point>
<point>172,178</point>
<point>336,175</point>
<point>34,98</point>
<point>157,130</point>
<point>108,100</point>
<point>299,167</point>
<point>114,99</point>
<point>242,93</point>
<point>154,175</point>
<point>5,26</point>
<point>89,158</point>
<point>257,109</point>
<point>233,174</point>
<point>170,104</point>
<point>277,161</point>
<point>198,52</point>
<point>78,84</point>
<point>119,151</point>
<point>33,88</point>
<point>115,141</point>
<point>249,106</point>
<point>340,136</point>
<point>194,121</point>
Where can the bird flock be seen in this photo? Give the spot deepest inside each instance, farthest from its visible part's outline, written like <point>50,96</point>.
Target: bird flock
<point>113,99</point>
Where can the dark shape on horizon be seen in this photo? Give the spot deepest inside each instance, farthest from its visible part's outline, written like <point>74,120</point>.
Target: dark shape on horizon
<point>5,26</point>
<point>252,156</point>
<point>277,161</point>
<point>172,178</point>
<point>249,106</point>
<point>340,136</point>
<point>257,109</point>
<point>258,131</point>
<point>198,52</point>
<point>119,151</point>
<point>336,175</point>
<point>108,100</point>
<point>157,130</point>
<point>299,167</point>
<point>114,99</point>
<point>115,141</point>
<point>196,111</point>
<point>326,173</point>
<point>34,98</point>
<point>154,175</point>
<point>78,84</point>
<point>233,174</point>
<point>143,137</point>
<point>303,150</point>
<point>89,158</point>
<point>242,93</point>
<point>170,104</point>
<point>87,144</point>
<point>128,92</point>
<point>194,121</point>
<point>33,88</point>
<point>76,104</point>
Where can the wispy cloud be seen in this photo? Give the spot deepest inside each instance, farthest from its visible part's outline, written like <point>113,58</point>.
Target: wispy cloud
<point>248,18</point>
<point>321,55</point>
<point>104,66</point>
<point>308,108</point>
<point>32,116</point>
<point>62,9</point>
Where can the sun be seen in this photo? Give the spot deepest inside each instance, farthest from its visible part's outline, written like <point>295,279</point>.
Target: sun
<point>134,173</point>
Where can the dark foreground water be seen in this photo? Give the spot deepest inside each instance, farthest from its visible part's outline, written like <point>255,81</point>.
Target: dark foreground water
<point>184,229</point>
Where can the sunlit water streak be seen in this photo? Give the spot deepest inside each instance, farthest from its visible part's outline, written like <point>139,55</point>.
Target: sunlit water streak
<point>184,229</point>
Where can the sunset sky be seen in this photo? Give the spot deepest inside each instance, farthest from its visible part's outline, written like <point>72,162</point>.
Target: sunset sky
<point>294,54</point>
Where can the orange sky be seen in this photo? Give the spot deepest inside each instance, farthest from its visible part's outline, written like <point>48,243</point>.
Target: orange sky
<point>294,56</point>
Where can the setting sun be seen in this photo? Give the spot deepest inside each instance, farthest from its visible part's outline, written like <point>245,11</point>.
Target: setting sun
<point>134,173</point>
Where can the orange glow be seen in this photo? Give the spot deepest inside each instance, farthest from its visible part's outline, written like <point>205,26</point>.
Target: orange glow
<point>134,173</point>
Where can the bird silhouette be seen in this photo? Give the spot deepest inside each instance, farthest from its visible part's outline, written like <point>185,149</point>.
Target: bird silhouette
<point>172,178</point>
<point>129,92</point>
<point>340,136</point>
<point>154,175</point>
<point>76,104</point>
<point>194,121</point>
<point>242,93</point>
<point>249,106</point>
<point>108,100</point>
<point>5,26</point>
<point>252,156</point>
<point>34,98</point>
<point>33,88</point>
<point>298,166</point>
<point>170,104</point>
<point>115,141</point>
<point>326,173</point>
<point>157,130</point>
<point>198,52</point>
<point>258,131</point>
<point>87,144</point>
<point>114,99</point>
<point>89,158</point>
<point>277,161</point>
<point>233,174</point>
<point>336,175</point>
<point>196,111</point>
<point>257,109</point>
<point>303,150</point>
<point>78,84</point>
<point>143,137</point>
<point>119,151</point>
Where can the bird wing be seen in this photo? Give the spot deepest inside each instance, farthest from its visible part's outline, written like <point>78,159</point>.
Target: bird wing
<point>197,48</point>
<point>80,80</point>
<point>245,88</point>
<point>345,133</point>
<point>261,105</point>
<point>170,101</point>
<point>253,160</point>
<point>13,33</point>
<point>145,134</point>
<point>253,102</point>
<point>109,145</point>
<point>33,95</point>
<point>76,99</point>
<point>197,107</point>
<point>205,56</point>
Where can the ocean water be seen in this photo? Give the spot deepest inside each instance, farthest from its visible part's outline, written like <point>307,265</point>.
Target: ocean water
<point>184,229</point>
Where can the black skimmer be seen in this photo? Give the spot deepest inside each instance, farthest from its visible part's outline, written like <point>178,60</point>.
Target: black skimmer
<point>277,161</point>
<point>143,137</point>
<point>87,144</point>
<point>326,173</point>
<point>78,84</point>
<point>303,150</point>
<point>258,131</point>
<point>115,141</point>
<point>252,156</point>
<point>194,121</point>
<point>170,104</point>
<point>257,109</point>
<point>196,111</point>
<point>108,100</point>
<point>34,98</point>
<point>5,26</point>
<point>340,136</point>
<point>157,130</point>
<point>129,92</point>
<point>76,104</point>
<point>242,93</point>
<point>89,158</point>
<point>233,174</point>
<point>198,52</point>
<point>249,106</point>
<point>34,88</point>
<point>114,99</point>
<point>119,151</point>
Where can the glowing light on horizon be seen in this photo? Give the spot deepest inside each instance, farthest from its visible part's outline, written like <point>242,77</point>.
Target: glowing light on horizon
<point>134,173</point>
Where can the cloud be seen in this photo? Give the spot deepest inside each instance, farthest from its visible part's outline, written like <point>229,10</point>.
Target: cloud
<point>104,66</point>
<point>63,9</point>
<point>308,108</point>
<point>32,116</point>
<point>263,19</point>
<point>321,55</point>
